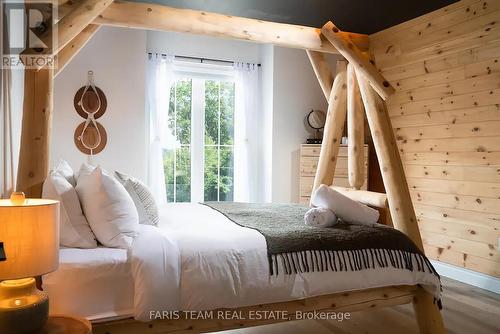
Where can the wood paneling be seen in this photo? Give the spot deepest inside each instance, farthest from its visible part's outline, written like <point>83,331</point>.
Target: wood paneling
<point>445,67</point>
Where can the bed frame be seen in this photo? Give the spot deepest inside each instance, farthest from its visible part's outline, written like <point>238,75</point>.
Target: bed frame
<point>357,89</point>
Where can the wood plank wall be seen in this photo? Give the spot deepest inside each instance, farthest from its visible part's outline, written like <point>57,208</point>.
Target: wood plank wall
<point>446,116</point>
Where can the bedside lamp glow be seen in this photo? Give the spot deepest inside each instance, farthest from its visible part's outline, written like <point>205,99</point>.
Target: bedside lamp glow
<point>29,247</point>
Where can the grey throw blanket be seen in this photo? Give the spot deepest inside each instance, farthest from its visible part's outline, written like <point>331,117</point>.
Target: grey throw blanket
<point>295,247</point>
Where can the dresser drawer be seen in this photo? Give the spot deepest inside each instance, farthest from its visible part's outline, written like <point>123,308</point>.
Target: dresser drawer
<point>309,157</point>
<point>306,184</point>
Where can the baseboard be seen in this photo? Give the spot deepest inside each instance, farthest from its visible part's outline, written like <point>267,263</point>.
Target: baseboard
<point>467,276</point>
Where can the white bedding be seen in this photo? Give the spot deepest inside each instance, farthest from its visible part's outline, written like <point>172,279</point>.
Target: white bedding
<point>200,260</point>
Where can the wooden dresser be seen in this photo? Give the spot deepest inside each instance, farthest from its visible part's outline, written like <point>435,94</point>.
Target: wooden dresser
<point>309,155</point>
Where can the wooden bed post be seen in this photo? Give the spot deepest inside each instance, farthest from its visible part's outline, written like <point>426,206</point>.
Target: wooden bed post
<point>34,151</point>
<point>36,127</point>
<point>334,127</point>
<point>429,317</point>
<point>355,131</point>
<point>391,167</point>
<point>322,70</point>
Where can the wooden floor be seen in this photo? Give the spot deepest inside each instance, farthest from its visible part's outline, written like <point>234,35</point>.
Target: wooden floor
<point>466,310</point>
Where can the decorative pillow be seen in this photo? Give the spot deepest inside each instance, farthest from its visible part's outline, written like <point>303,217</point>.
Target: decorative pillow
<point>64,169</point>
<point>85,169</point>
<point>142,197</point>
<point>74,228</point>
<point>108,207</point>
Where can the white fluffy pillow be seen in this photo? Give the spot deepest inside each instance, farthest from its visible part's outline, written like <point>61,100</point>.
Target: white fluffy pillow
<point>108,206</point>
<point>74,228</point>
<point>64,169</point>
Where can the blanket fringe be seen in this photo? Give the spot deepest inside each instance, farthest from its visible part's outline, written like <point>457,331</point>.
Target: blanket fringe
<point>347,260</point>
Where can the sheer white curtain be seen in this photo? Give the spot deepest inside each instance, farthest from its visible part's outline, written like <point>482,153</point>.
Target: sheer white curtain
<point>8,155</point>
<point>159,80</point>
<point>248,136</point>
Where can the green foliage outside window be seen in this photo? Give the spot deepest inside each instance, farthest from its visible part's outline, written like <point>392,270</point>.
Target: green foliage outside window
<point>218,149</point>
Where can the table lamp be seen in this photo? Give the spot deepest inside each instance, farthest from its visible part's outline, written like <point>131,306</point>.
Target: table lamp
<point>29,247</point>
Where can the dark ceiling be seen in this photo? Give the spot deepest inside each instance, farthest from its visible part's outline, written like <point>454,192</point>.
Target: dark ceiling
<point>363,16</point>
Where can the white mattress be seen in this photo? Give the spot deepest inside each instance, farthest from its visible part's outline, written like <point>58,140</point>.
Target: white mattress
<point>221,265</point>
<point>92,283</point>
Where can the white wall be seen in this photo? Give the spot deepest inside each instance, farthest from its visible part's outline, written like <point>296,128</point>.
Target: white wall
<point>267,83</point>
<point>117,58</point>
<point>295,92</point>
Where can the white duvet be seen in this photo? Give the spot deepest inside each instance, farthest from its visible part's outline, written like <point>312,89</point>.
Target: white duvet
<point>197,259</point>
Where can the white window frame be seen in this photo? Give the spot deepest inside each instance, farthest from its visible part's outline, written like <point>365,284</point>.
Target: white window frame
<point>199,73</point>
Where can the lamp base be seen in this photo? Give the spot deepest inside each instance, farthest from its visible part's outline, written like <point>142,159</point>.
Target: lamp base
<point>23,308</point>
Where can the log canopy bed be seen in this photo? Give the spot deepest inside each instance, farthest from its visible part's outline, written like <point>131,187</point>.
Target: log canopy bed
<point>357,88</point>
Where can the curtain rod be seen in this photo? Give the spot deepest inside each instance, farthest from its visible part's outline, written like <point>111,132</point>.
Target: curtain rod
<point>200,59</point>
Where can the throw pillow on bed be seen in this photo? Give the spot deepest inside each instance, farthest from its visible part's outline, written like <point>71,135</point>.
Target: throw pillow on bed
<point>64,169</point>
<point>74,227</point>
<point>142,197</point>
<point>108,207</point>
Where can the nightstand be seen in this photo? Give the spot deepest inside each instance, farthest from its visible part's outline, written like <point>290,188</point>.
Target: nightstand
<point>63,324</point>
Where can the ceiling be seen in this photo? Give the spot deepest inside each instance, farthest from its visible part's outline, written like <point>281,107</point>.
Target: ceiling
<point>362,16</point>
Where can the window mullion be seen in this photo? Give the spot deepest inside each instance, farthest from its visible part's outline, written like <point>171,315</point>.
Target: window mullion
<point>218,143</point>
<point>197,140</point>
<point>175,136</point>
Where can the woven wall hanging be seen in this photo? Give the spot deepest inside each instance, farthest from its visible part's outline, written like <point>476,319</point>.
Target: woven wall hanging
<point>90,103</point>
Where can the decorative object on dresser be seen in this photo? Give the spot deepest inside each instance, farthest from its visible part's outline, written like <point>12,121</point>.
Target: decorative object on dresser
<point>29,232</point>
<point>63,324</point>
<point>90,103</point>
<point>316,121</point>
<point>309,155</point>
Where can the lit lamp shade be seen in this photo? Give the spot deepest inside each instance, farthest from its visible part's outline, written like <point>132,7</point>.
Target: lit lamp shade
<point>29,231</point>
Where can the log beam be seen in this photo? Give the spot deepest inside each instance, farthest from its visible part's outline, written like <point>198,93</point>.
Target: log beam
<point>334,128</point>
<point>35,136</point>
<point>66,7</point>
<point>391,167</point>
<point>70,50</point>
<point>355,131</point>
<point>164,18</point>
<point>69,26</point>
<point>371,198</point>
<point>322,70</point>
<point>355,56</point>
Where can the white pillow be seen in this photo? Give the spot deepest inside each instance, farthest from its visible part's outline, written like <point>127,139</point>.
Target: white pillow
<point>66,171</point>
<point>74,229</point>
<point>143,199</point>
<point>108,206</point>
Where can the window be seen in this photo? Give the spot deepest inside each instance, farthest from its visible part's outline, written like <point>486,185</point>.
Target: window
<point>199,164</point>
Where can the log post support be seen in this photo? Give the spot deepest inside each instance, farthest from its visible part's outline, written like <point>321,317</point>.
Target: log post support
<point>355,56</point>
<point>35,136</point>
<point>322,70</point>
<point>355,131</point>
<point>391,167</point>
<point>334,127</point>
<point>429,318</point>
